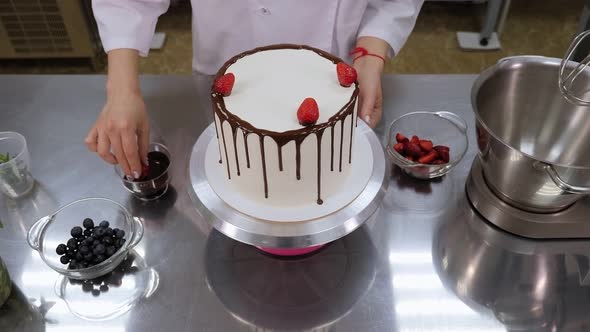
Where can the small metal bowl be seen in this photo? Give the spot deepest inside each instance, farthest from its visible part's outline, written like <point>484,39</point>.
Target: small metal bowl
<point>442,128</point>
<point>150,189</point>
<point>51,230</point>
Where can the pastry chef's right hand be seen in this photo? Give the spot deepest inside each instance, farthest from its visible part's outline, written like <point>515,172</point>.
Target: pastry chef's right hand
<point>121,133</point>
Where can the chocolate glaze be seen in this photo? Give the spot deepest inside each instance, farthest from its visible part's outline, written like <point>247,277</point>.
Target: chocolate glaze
<point>233,133</point>
<point>282,138</point>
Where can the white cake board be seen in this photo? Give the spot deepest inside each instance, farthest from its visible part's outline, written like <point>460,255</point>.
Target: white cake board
<point>359,174</point>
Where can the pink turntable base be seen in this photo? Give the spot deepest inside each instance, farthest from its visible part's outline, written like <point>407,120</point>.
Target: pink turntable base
<point>290,251</point>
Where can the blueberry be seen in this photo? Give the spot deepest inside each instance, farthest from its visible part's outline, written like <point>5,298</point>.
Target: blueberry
<point>95,292</point>
<point>72,243</point>
<point>84,250</point>
<point>121,242</point>
<point>100,258</point>
<point>88,223</point>
<point>111,250</point>
<point>115,230</point>
<point>79,256</point>
<point>76,232</point>
<point>89,257</point>
<point>120,233</point>
<point>87,232</point>
<point>104,288</point>
<point>104,224</point>
<point>99,232</point>
<point>61,249</point>
<point>108,240</point>
<point>64,259</point>
<point>87,287</point>
<point>95,243</point>
<point>99,249</point>
<point>73,266</point>
<point>82,265</point>
<point>108,232</point>
<point>70,254</point>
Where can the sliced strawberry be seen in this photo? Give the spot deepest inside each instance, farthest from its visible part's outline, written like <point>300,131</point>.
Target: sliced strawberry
<point>399,147</point>
<point>440,148</point>
<point>437,162</point>
<point>444,155</point>
<point>429,158</point>
<point>426,145</point>
<point>410,158</point>
<point>346,74</point>
<point>224,84</point>
<point>414,150</point>
<point>401,138</point>
<point>308,112</point>
<point>415,139</point>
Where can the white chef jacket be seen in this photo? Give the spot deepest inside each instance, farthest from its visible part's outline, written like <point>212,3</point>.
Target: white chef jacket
<point>224,28</point>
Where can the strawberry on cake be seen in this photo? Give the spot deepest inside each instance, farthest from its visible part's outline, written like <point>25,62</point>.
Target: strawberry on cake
<point>285,117</point>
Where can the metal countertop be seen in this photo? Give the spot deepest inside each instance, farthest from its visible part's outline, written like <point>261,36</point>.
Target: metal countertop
<point>424,262</point>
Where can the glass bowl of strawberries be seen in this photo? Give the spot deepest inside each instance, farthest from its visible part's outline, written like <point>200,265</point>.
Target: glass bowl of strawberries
<point>427,145</point>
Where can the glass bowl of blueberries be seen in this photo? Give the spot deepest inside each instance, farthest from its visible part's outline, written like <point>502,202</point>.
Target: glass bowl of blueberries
<point>87,238</point>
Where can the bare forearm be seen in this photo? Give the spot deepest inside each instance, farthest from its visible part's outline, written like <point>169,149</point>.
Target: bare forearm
<point>123,71</point>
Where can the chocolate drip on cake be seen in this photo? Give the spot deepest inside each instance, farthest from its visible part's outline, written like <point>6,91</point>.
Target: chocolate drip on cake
<point>233,132</point>
<point>341,142</point>
<point>246,148</point>
<point>351,132</point>
<point>319,139</point>
<point>280,158</point>
<point>332,149</point>
<point>282,138</point>
<point>217,136</point>
<point>264,166</point>
<point>225,148</point>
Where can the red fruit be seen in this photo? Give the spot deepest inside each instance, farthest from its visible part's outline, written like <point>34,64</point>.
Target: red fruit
<point>428,158</point>
<point>401,138</point>
<point>410,158</point>
<point>346,74</point>
<point>224,84</point>
<point>440,148</point>
<point>415,139</point>
<point>438,162</point>
<point>399,147</point>
<point>308,112</point>
<point>444,155</point>
<point>413,150</point>
<point>426,145</point>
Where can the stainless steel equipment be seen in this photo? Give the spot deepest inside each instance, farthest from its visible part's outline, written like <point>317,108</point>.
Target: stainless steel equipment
<point>409,292</point>
<point>302,234</point>
<point>573,75</point>
<point>569,223</point>
<point>533,144</point>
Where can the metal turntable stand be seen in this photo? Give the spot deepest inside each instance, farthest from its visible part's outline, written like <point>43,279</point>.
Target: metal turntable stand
<point>302,234</point>
<point>571,223</point>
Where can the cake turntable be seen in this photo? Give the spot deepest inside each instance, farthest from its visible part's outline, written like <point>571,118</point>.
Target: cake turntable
<point>569,223</point>
<point>298,237</point>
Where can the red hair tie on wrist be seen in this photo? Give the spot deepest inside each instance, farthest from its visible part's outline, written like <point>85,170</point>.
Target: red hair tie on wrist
<point>363,52</point>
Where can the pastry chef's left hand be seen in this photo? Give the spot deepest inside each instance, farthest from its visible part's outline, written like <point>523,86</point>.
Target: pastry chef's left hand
<point>369,70</point>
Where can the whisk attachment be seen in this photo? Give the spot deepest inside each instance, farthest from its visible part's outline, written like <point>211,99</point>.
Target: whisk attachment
<point>572,86</point>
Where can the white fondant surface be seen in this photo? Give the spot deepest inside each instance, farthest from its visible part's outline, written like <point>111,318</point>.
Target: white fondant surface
<point>270,86</point>
<point>352,182</point>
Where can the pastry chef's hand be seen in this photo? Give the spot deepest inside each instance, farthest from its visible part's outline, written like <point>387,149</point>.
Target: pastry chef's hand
<point>369,70</point>
<point>121,132</point>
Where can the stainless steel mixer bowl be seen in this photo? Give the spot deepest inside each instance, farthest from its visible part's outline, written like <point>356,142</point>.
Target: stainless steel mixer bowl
<point>533,144</point>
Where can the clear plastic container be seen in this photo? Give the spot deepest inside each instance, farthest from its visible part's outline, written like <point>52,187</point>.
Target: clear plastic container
<point>442,128</point>
<point>15,175</point>
<point>48,232</point>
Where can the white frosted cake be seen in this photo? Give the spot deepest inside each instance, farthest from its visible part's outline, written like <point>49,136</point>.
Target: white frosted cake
<point>267,154</point>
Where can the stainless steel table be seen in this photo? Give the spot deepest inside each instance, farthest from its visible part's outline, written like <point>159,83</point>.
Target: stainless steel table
<point>425,262</point>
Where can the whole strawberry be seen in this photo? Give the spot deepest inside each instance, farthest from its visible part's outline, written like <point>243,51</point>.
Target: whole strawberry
<point>224,84</point>
<point>308,112</point>
<point>346,74</point>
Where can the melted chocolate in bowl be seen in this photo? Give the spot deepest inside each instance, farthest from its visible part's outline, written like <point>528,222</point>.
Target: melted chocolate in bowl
<point>158,162</point>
